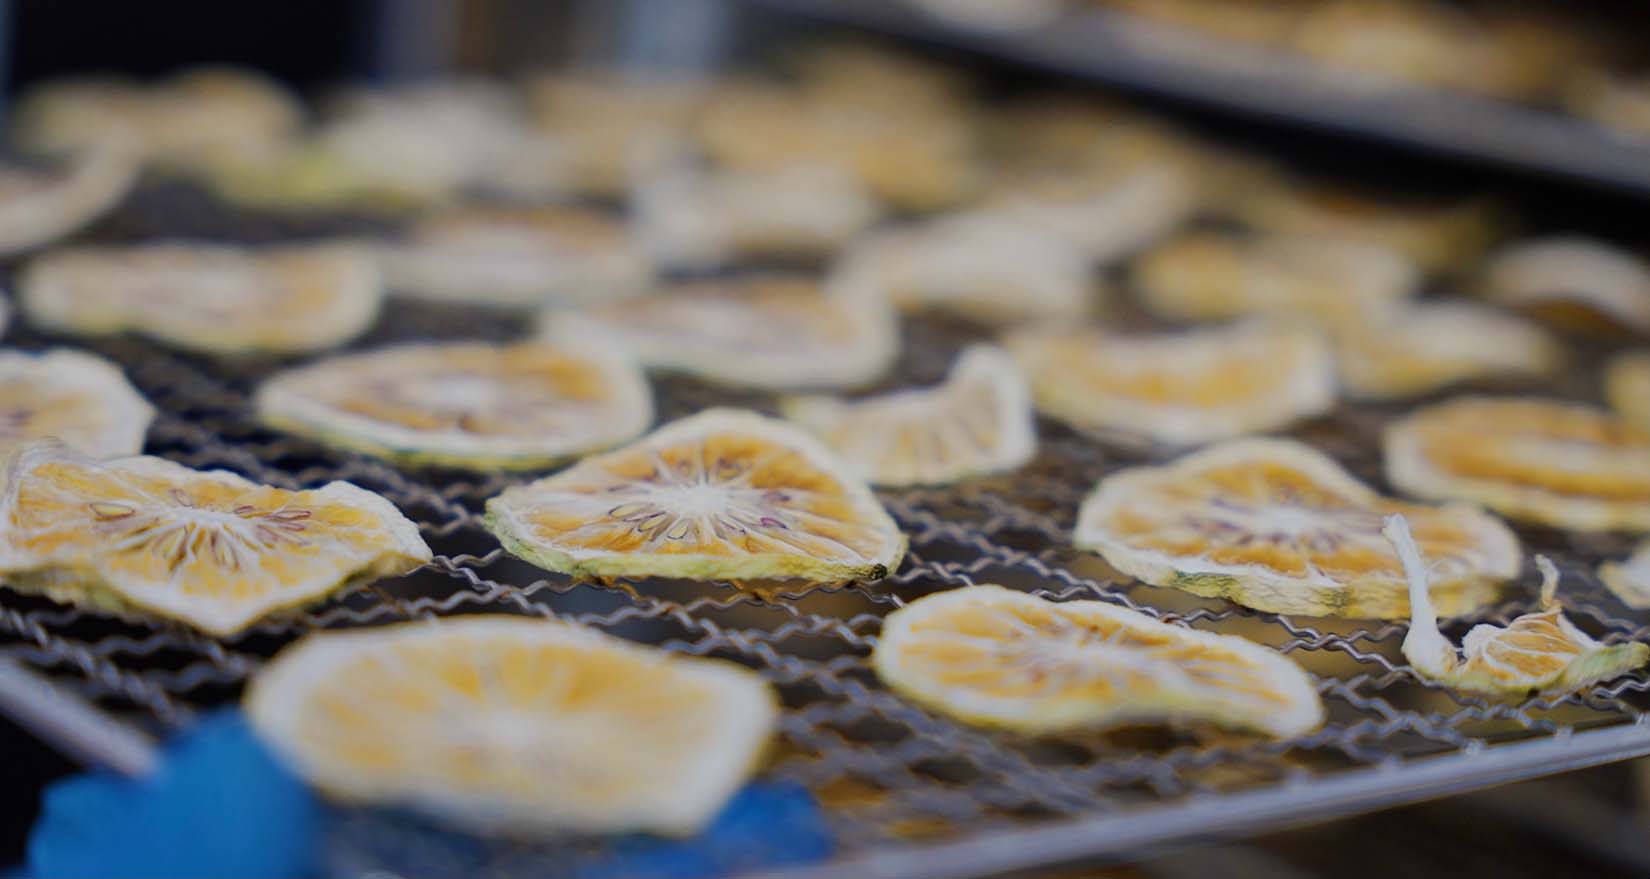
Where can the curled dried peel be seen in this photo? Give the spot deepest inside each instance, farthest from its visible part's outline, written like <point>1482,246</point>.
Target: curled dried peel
<point>503,723</point>
<point>464,404</point>
<point>1627,387</point>
<point>78,398</point>
<point>1422,348</point>
<point>38,207</point>
<point>997,657</point>
<point>207,548</point>
<point>1276,525</point>
<point>724,494</point>
<point>1539,652</point>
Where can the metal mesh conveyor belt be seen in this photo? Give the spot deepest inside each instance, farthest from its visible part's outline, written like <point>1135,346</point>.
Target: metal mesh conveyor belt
<point>910,793</point>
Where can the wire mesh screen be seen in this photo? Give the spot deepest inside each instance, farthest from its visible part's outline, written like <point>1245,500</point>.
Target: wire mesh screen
<point>886,771</point>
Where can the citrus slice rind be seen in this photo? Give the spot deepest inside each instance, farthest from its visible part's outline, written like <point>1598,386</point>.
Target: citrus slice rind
<point>78,398</point>
<point>1627,387</point>
<point>1538,652</point>
<point>996,657</point>
<point>1278,526</point>
<point>1629,580</point>
<point>215,299</point>
<point>977,422</point>
<point>40,207</point>
<point>1574,283</point>
<point>770,333</point>
<point>1561,464</point>
<point>722,495</point>
<point>515,725</point>
<point>207,548</point>
<point>470,405</point>
<point>1179,389</point>
<point>1422,348</point>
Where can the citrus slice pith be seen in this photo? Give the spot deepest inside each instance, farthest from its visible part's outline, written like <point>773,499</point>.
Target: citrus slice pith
<point>725,494</point>
<point>216,299</point>
<point>996,657</point>
<point>1576,284</point>
<point>1629,580</point>
<point>207,548</point>
<point>771,332</point>
<point>76,397</point>
<point>470,405</point>
<point>977,422</point>
<point>516,725</point>
<point>1561,464</point>
<point>1539,652</point>
<point>38,207</point>
<point>1179,389</point>
<point>1627,387</point>
<point>1278,526</point>
<point>1422,348</point>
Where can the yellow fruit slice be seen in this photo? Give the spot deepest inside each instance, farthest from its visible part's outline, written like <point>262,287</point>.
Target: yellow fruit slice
<point>977,422</point>
<point>1205,276</point>
<point>1627,387</point>
<point>1630,580</point>
<point>724,494</point>
<point>1576,284</point>
<point>78,398</point>
<point>1179,389</point>
<point>1107,214</point>
<point>1541,652</point>
<point>516,257</point>
<point>1561,464</point>
<point>1433,235</point>
<point>996,657</point>
<point>217,299</point>
<point>39,206</point>
<point>207,548</point>
<point>464,404</point>
<point>1424,347</point>
<point>516,725</point>
<point>773,332</point>
<point>596,132</point>
<point>1278,526</point>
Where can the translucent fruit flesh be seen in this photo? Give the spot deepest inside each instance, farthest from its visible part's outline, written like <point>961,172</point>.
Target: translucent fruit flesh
<point>78,398</point>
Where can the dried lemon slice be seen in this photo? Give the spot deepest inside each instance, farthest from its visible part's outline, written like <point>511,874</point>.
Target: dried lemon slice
<point>1575,284</point>
<point>1630,580</point>
<point>724,494</point>
<point>1561,464</point>
<point>1627,387</point>
<point>996,657</point>
<point>1541,652</point>
<point>464,404</point>
<point>205,547</point>
<point>1179,389</point>
<point>1433,235</point>
<point>38,207</point>
<point>1278,526</point>
<point>774,332</point>
<point>1108,216</point>
<point>503,723</point>
<point>516,256</point>
<point>977,422</point>
<point>204,297</point>
<point>1425,347</point>
<point>78,398</point>
<point>1212,276</point>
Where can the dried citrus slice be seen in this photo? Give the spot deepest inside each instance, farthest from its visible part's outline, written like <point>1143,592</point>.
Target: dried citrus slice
<point>1627,387</point>
<point>512,724</point>
<point>775,332</point>
<point>1107,215</point>
<point>40,206</point>
<point>1575,284</point>
<point>1561,464</point>
<point>1424,347</point>
<point>464,404</point>
<point>1630,580</point>
<point>206,297</point>
<point>1179,389</point>
<point>1213,276</point>
<point>78,398</point>
<point>977,422</point>
<point>1540,652</point>
<point>1278,526</point>
<point>724,494</point>
<point>1433,235</point>
<point>205,547</point>
<point>516,256</point>
<point>996,657</point>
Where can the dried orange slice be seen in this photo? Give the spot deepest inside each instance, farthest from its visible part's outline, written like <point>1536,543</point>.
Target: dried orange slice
<point>977,422</point>
<point>1630,580</point>
<point>1627,387</point>
<point>1212,276</point>
<point>774,332</point>
<point>464,404</point>
<point>1278,526</point>
<point>724,494</point>
<point>212,298</point>
<point>78,398</point>
<point>40,206</point>
<point>207,548</point>
<point>516,256</point>
<point>1540,652</point>
<point>1179,389</point>
<point>1433,235</point>
<point>1424,347</point>
<point>1109,215</point>
<point>518,725</point>
<point>996,657</point>
<point>1561,464</point>
<point>1576,284</point>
